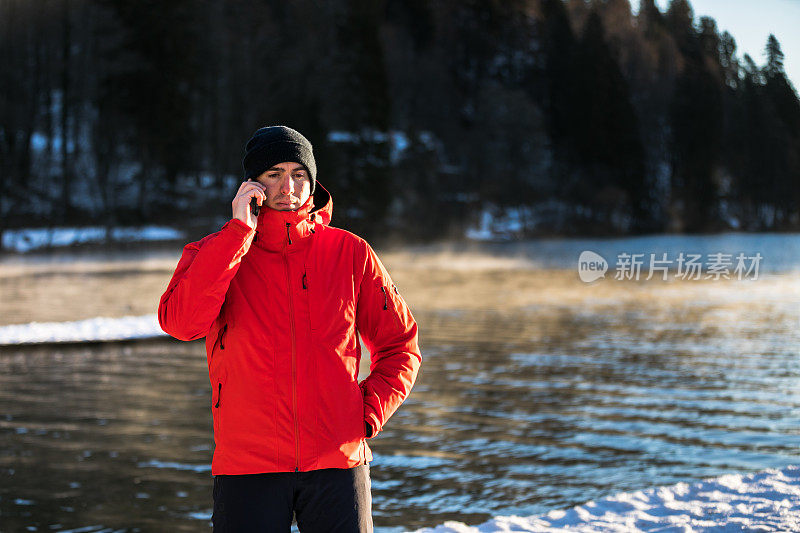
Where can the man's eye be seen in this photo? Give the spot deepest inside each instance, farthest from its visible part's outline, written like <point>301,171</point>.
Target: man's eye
<point>299,176</point>
<point>274,175</point>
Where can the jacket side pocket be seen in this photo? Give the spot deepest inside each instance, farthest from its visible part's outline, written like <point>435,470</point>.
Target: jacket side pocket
<point>221,336</point>
<point>216,380</point>
<point>219,343</point>
<point>216,401</point>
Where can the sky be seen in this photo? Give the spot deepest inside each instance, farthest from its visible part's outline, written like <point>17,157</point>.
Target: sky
<point>750,22</point>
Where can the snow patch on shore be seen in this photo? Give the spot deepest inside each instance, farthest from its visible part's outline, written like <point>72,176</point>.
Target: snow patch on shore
<point>764,501</point>
<point>25,240</point>
<point>91,330</point>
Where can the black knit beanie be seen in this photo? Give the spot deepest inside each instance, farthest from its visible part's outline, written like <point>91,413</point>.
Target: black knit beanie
<point>272,145</point>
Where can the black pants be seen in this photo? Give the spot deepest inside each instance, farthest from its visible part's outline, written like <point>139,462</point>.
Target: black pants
<point>330,500</point>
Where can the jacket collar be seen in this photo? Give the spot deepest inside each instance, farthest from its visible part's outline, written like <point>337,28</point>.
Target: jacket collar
<point>290,230</point>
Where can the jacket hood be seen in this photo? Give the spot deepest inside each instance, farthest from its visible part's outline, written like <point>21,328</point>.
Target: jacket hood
<point>324,200</point>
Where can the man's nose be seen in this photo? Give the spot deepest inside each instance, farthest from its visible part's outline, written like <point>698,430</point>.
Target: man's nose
<point>287,185</point>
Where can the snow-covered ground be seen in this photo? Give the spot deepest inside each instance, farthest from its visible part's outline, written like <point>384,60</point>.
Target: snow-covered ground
<point>764,501</point>
<point>93,329</point>
<point>25,240</point>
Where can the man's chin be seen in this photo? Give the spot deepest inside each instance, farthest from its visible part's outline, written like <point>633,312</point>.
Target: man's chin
<point>285,207</point>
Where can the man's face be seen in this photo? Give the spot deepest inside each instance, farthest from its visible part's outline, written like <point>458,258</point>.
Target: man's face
<point>288,186</point>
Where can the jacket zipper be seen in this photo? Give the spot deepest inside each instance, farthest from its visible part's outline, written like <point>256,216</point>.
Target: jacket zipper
<point>385,303</point>
<point>294,359</point>
<point>219,393</point>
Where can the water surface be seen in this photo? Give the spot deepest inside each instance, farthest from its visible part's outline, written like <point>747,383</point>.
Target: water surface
<point>543,403</point>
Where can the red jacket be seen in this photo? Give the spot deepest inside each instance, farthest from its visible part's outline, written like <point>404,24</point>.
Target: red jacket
<point>282,308</point>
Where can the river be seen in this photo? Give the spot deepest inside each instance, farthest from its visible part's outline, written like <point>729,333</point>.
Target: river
<point>537,391</point>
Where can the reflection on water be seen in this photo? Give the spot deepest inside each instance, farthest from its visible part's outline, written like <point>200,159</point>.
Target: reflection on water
<point>515,412</point>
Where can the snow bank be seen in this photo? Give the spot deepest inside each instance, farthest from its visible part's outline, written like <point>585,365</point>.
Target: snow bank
<point>93,329</point>
<point>764,501</point>
<point>25,240</point>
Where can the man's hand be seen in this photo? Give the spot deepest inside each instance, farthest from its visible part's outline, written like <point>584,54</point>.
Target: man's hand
<point>241,203</point>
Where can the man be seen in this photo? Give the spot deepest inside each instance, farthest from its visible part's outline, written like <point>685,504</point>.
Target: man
<point>282,298</point>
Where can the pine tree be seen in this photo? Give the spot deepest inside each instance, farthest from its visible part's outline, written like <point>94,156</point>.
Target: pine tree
<point>728,60</point>
<point>362,173</point>
<point>649,18</point>
<point>679,21</point>
<point>155,68</point>
<point>696,127</point>
<point>559,45</point>
<point>775,56</point>
<point>608,141</point>
<point>785,131</point>
<point>779,88</point>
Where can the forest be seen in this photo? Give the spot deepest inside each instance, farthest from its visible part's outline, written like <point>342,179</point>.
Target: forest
<point>571,117</point>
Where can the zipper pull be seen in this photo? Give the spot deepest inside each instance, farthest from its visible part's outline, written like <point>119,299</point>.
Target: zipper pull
<point>219,394</point>
<point>288,237</point>
<point>304,281</point>
<point>385,303</point>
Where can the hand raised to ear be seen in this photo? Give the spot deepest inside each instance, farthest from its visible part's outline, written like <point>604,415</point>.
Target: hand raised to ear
<point>241,202</point>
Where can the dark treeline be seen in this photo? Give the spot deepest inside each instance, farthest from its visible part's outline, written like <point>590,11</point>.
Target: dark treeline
<point>579,116</point>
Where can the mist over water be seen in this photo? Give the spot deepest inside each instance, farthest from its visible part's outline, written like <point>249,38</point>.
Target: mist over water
<point>536,392</point>
<point>780,251</point>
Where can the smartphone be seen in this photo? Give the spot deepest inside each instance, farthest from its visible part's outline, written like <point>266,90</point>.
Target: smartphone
<point>254,207</point>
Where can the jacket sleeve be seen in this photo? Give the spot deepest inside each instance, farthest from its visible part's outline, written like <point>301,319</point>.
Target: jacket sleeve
<point>196,292</point>
<point>389,332</point>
